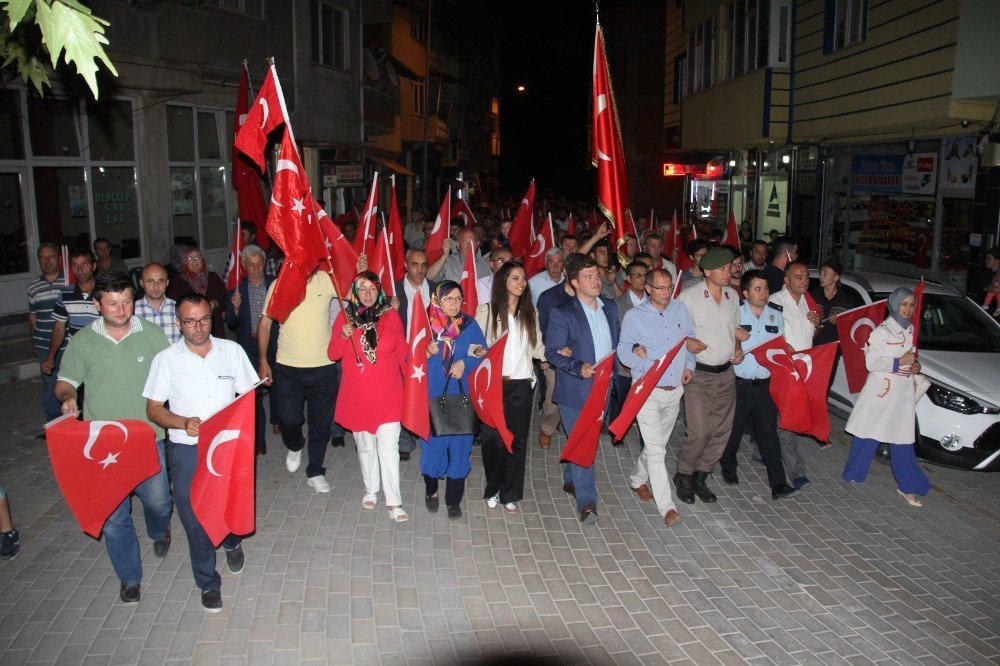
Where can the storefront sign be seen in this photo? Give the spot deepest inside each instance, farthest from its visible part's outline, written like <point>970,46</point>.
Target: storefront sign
<point>344,175</point>
<point>958,166</point>
<point>112,205</point>
<point>893,174</point>
<point>920,173</point>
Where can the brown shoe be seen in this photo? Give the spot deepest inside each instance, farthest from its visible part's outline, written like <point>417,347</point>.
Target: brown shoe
<point>545,441</point>
<point>672,518</point>
<point>588,514</point>
<point>643,493</point>
<point>569,489</point>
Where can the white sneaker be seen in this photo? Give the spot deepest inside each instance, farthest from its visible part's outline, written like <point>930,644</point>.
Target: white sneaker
<point>493,502</point>
<point>319,484</point>
<point>292,461</point>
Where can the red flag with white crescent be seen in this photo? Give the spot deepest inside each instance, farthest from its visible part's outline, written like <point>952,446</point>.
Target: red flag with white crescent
<point>470,291</point>
<point>788,393</point>
<point>608,156</point>
<point>234,267</point>
<point>98,463</point>
<point>640,391</point>
<point>521,229</point>
<point>416,402</point>
<point>267,114</point>
<point>853,328</point>
<point>381,264</point>
<point>342,254</point>
<point>246,177</point>
<point>397,253</point>
<point>460,208</point>
<point>364,239</point>
<point>812,305</point>
<point>732,236</point>
<point>434,247</point>
<point>814,366</point>
<point>486,391</point>
<point>222,489</point>
<point>581,444</point>
<point>534,261</point>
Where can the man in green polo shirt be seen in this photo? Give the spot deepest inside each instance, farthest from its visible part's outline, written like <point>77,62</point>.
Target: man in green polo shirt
<point>111,357</point>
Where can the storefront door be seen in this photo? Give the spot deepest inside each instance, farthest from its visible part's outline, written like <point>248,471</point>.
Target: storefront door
<point>16,247</point>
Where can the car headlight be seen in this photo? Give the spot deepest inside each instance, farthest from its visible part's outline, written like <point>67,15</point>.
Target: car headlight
<point>958,402</point>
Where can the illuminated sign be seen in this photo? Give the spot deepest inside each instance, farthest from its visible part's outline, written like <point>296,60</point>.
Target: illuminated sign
<point>702,171</point>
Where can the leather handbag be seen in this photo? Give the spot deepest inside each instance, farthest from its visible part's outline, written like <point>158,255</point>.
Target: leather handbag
<point>453,414</point>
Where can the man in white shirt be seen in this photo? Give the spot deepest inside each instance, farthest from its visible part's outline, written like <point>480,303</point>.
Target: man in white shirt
<point>484,285</point>
<point>550,277</point>
<point>198,375</point>
<point>800,326</point>
<point>758,256</point>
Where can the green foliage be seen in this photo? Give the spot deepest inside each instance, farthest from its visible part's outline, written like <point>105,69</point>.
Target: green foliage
<point>36,34</point>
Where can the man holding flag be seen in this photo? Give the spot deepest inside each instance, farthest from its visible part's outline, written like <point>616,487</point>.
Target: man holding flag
<point>198,375</point>
<point>650,330</point>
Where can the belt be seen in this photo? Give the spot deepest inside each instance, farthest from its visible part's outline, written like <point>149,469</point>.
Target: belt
<point>713,369</point>
<point>764,381</point>
<point>508,380</point>
<point>666,388</point>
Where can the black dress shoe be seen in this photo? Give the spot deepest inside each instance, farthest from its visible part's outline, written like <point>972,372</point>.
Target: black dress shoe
<point>162,545</point>
<point>432,503</point>
<point>337,442</point>
<point>404,456</point>
<point>701,488</point>
<point>130,594</point>
<point>235,559</point>
<point>569,489</point>
<point>588,514</point>
<point>782,491</point>
<point>684,487</point>
<point>211,601</point>
<point>731,477</point>
<point>454,512</point>
<point>261,450</point>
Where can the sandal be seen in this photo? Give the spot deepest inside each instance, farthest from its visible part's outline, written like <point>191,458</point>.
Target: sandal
<point>510,507</point>
<point>397,515</point>
<point>910,498</point>
<point>369,500</point>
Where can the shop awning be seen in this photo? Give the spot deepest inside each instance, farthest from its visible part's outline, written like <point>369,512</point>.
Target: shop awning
<point>391,165</point>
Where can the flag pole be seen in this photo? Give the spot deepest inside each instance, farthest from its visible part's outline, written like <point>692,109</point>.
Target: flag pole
<point>385,235</point>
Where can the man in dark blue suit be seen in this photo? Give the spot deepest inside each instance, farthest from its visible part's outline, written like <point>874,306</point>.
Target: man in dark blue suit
<point>244,306</point>
<point>589,327</point>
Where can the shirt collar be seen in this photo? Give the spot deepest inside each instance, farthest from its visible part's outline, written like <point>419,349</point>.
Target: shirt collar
<point>134,326</point>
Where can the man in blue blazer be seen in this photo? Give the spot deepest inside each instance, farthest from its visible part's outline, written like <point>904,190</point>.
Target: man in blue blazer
<point>244,306</point>
<point>589,327</point>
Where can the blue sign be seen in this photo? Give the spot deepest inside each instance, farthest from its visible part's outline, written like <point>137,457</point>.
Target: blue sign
<point>877,173</point>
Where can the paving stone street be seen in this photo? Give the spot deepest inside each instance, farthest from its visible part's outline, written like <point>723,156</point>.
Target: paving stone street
<point>834,575</point>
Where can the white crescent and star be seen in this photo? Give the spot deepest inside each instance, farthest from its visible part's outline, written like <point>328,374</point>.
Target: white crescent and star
<point>858,324</point>
<point>95,431</point>
<point>223,437</point>
<point>267,112</point>
<point>602,106</point>
<point>541,245</point>
<point>807,359</point>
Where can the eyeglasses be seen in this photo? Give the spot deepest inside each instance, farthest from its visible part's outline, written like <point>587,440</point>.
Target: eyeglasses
<point>193,257</point>
<point>191,323</point>
<point>451,299</point>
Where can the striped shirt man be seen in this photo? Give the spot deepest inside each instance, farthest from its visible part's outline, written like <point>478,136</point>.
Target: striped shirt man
<point>75,309</point>
<point>42,299</point>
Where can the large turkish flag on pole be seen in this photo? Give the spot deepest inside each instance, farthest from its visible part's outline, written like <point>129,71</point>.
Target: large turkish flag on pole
<point>521,230</point>
<point>640,391</point>
<point>853,328</point>
<point>608,156</point>
<point>246,178</point>
<point>581,444</point>
<point>434,247</point>
<point>222,490</point>
<point>416,402</point>
<point>789,394</point>
<point>486,391</point>
<point>534,261</point>
<point>98,463</point>
<point>266,115</point>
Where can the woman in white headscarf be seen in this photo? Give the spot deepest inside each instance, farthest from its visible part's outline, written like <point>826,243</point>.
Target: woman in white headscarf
<point>886,407</point>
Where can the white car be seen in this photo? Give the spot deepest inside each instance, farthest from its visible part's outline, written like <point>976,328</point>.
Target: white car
<point>958,421</point>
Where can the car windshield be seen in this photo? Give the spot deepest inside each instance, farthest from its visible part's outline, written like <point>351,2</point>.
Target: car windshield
<point>953,323</point>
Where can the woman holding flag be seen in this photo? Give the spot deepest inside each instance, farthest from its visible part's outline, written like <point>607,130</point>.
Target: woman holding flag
<point>886,407</point>
<point>452,356</point>
<point>510,311</point>
<point>377,331</point>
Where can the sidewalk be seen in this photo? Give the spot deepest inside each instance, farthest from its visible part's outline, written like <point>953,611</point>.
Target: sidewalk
<point>834,575</point>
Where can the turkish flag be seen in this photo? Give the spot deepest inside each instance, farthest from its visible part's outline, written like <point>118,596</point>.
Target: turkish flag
<point>534,261</point>
<point>521,230</point>
<point>581,445</point>
<point>571,225</point>
<point>677,286</point>
<point>292,223</point>
<point>397,253</point>
<point>381,264</point>
<point>434,247</point>
<point>487,394</point>
<point>640,391</point>
<point>608,156</point>
<point>98,463</point>
<point>234,266</point>
<point>813,367</point>
<point>246,178</point>
<point>416,403</point>
<point>787,391</point>
<point>732,236</point>
<point>222,490</point>
<point>342,254</point>
<point>364,239</point>
<point>918,293</point>
<point>812,304</point>
<point>468,283</point>
<point>853,329</point>
<point>461,209</point>
<point>267,113</point>
<point>342,220</point>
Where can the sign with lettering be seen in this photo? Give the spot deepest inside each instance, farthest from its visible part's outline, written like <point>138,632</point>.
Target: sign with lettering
<point>344,175</point>
<point>893,174</point>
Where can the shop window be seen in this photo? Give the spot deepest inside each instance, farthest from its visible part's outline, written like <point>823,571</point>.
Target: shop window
<point>329,34</point>
<point>116,211</point>
<point>180,134</point>
<point>845,23</point>
<point>13,241</point>
<point>212,184</point>
<point>11,138</point>
<point>185,222</point>
<point>62,206</point>
<point>109,125</point>
<point>208,137</point>
<point>55,127</point>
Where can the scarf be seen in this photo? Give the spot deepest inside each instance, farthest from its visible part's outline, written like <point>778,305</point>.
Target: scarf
<point>198,281</point>
<point>896,299</point>
<point>366,318</point>
<point>445,328</point>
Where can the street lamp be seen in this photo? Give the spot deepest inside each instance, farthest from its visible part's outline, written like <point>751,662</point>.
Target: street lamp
<point>521,88</point>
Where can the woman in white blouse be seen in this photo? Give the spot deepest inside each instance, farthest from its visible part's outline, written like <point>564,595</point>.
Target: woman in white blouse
<point>510,311</point>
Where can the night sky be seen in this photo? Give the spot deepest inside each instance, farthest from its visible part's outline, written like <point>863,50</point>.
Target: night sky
<point>548,47</point>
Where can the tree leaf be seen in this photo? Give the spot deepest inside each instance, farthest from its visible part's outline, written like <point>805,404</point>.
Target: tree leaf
<point>30,68</point>
<point>79,34</point>
<point>16,9</point>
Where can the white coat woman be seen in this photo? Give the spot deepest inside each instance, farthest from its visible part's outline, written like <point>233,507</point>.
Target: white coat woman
<point>885,409</point>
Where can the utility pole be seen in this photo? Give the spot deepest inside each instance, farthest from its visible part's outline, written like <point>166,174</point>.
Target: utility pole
<point>427,119</point>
